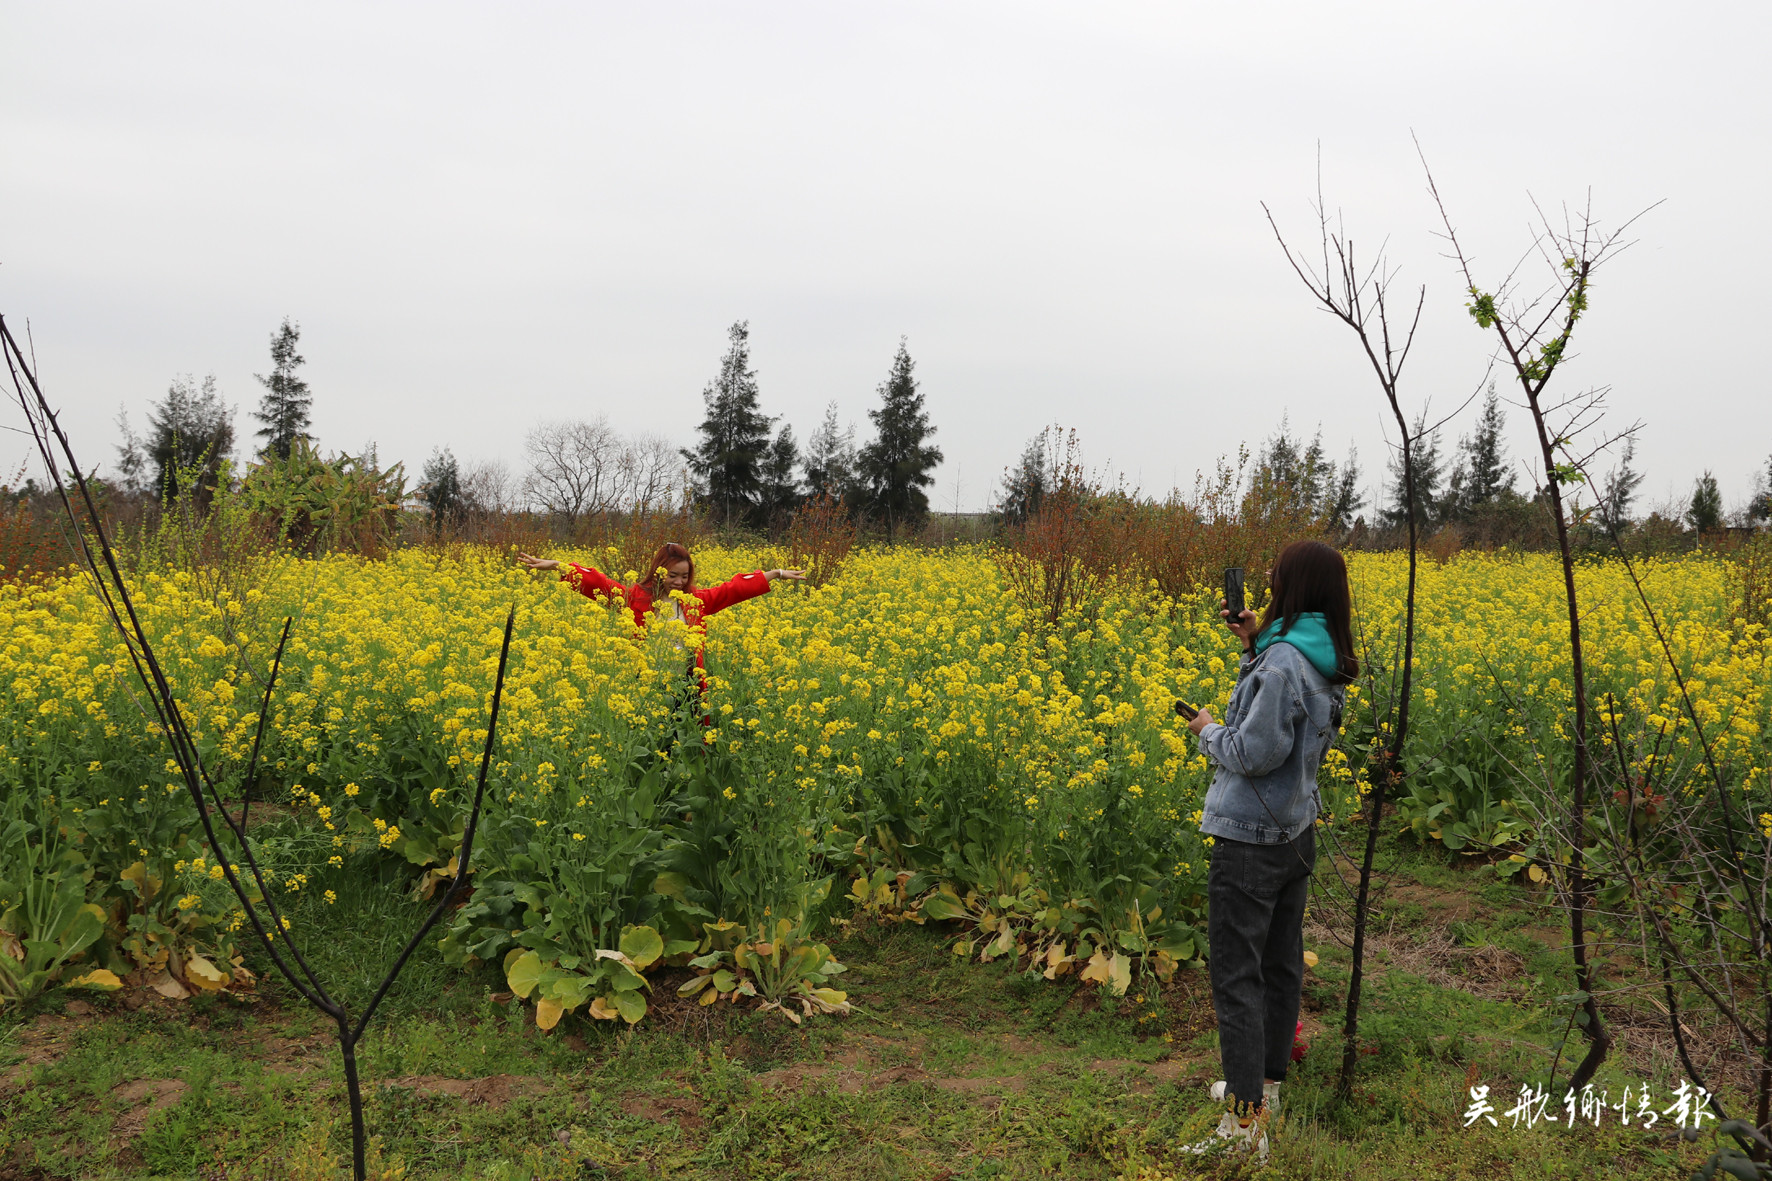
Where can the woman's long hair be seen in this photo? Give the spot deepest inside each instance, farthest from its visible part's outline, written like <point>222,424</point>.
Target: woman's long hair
<point>1310,576</point>
<point>667,553</point>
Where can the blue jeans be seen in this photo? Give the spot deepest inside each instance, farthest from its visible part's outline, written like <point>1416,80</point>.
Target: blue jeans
<point>1255,925</point>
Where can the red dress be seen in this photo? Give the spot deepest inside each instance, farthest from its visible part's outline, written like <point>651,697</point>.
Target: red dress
<point>593,584</point>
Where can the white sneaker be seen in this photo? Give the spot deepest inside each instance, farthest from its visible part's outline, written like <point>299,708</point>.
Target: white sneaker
<point>1270,1094</point>
<point>1236,1135</point>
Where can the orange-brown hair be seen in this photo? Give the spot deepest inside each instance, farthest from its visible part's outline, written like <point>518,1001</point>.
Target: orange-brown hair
<point>667,553</point>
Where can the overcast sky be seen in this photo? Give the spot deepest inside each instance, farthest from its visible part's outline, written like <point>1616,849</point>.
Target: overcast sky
<point>485,216</point>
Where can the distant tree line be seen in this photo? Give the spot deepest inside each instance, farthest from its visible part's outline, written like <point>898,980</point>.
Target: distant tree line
<point>1472,491</point>
<point>743,477</point>
<point>748,470</point>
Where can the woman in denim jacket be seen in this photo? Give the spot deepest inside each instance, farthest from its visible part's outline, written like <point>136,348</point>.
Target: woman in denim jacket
<point>1261,812</point>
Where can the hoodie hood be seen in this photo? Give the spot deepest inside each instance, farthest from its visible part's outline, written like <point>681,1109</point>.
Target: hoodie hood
<point>1309,633</point>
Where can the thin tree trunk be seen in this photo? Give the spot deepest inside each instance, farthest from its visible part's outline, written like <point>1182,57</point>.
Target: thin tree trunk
<point>1763,1113</point>
<point>1599,1038</point>
<point>354,1092</point>
<point>1387,770</point>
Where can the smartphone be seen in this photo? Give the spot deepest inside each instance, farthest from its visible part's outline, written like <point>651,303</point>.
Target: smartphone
<point>1233,593</point>
<point>1185,710</point>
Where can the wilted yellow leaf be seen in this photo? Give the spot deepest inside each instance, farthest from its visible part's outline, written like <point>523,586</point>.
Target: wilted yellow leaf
<point>1310,959</point>
<point>547,1013</point>
<point>709,997</point>
<point>1098,970</point>
<point>169,988</point>
<point>1120,970</point>
<point>1535,873</point>
<point>204,974</point>
<point>602,1010</point>
<point>144,882</point>
<point>102,979</point>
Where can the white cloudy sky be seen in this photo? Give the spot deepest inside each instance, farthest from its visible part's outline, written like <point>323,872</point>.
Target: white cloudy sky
<point>487,215</point>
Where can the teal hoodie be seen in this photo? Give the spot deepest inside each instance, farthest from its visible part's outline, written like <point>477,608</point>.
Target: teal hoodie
<point>1309,633</point>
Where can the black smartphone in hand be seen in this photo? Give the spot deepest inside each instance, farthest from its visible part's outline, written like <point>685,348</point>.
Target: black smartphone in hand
<point>1233,593</point>
<point>1187,711</point>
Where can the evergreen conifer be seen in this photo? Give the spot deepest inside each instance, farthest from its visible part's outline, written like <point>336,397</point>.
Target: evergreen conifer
<point>284,408</point>
<point>899,463</point>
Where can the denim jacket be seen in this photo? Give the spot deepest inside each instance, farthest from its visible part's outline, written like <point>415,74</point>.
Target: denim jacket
<point>1280,721</point>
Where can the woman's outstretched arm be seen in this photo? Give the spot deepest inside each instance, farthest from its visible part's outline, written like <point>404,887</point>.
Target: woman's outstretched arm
<point>590,583</point>
<point>744,586</point>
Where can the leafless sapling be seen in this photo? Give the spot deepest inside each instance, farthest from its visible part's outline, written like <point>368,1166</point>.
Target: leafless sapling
<point>1356,294</point>
<point>98,562</point>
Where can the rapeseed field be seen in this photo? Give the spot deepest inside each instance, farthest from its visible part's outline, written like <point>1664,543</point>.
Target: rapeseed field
<point>904,742</point>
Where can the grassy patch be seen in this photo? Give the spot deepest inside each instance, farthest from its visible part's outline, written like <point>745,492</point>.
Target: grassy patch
<point>948,1070</point>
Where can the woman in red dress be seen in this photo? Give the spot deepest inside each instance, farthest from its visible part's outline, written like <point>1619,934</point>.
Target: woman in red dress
<point>672,570</point>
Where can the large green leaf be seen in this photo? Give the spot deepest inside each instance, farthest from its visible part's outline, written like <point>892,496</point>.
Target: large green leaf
<point>524,973</point>
<point>943,907</point>
<point>568,991</point>
<point>631,1006</point>
<point>642,945</point>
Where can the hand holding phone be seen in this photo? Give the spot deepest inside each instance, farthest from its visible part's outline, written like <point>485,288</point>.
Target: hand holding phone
<point>1233,593</point>
<point>1187,711</point>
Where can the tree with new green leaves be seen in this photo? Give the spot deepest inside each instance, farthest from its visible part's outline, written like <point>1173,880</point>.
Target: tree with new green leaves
<point>284,408</point>
<point>899,463</point>
<point>726,465</point>
<point>1705,511</point>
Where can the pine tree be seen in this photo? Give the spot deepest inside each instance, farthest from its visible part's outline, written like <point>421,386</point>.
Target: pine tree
<point>829,459</point>
<point>1482,474</point>
<point>1026,484</point>
<point>1345,498</point>
<point>1486,455</point>
<point>899,463</point>
<point>1760,507</point>
<point>1620,490</point>
<point>1429,471</point>
<point>727,463</point>
<point>1298,475</point>
<point>286,402</point>
<point>1316,474</point>
<point>1705,512</point>
<point>780,492</point>
<point>441,491</point>
<point>190,436</point>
